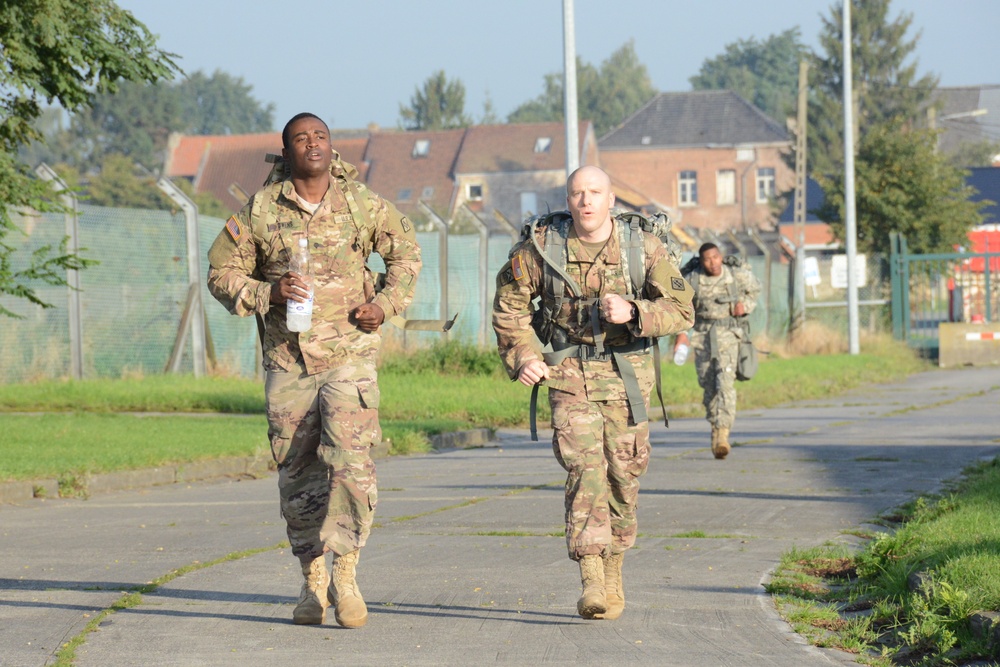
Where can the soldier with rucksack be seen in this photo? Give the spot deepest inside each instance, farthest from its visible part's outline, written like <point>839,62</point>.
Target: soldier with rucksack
<point>321,386</point>
<point>725,293</point>
<point>568,315</point>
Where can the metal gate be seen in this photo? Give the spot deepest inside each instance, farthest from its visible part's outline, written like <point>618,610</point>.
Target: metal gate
<point>944,287</point>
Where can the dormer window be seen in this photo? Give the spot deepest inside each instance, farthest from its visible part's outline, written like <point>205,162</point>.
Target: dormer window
<point>646,140</point>
<point>404,195</point>
<point>421,147</point>
<point>543,144</point>
<point>474,192</point>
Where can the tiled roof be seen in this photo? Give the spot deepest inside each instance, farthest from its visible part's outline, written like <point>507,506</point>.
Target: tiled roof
<point>699,118</point>
<point>188,151</point>
<point>511,148</point>
<point>228,160</point>
<point>396,164</point>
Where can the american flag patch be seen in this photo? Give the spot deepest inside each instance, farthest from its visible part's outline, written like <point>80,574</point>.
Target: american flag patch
<point>234,228</point>
<point>515,267</point>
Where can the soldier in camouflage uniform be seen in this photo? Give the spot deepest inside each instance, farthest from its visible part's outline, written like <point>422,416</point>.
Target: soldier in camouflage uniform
<point>599,438</point>
<point>724,296</point>
<point>321,386</point>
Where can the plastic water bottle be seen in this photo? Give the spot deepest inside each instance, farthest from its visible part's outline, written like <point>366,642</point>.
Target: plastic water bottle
<point>681,354</point>
<point>300,312</point>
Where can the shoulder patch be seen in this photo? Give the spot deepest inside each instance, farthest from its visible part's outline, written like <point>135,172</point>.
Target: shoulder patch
<point>677,284</point>
<point>234,228</point>
<point>516,269</point>
<point>405,224</point>
<point>506,277</point>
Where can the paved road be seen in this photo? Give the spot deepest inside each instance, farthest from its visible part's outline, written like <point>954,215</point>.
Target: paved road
<point>464,567</point>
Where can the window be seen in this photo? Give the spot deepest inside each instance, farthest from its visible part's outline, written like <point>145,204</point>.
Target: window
<point>421,148</point>
<point>404,195</point>
<point>427,192</point>
<point>529,204</point>
<point>646,140</point>
<point>474,192</point>
<point>543,144</point>
<point>745,154</point>
<point>725,187</point>
<point>765,184</point>
<point>687,186</point>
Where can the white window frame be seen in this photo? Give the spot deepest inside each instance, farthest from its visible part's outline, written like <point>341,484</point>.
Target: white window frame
<point>725,193</point>
<point>687,188</point>
<point>421,148</point>
<point>427,192</point>
<point>470,195</point>
<point>543,144</point>
<point>766,184</point>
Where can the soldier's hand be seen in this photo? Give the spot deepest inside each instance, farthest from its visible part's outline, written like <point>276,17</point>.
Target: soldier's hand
<point>682,339</point>
<point>289,286</point>
<point>368,316</point>
<point>615,309</point>
<point>533,372</point>
<point>739,310</point>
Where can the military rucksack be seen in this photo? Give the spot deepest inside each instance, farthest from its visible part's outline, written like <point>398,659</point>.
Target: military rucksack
<point>746,356</point>
<point>631,228</point>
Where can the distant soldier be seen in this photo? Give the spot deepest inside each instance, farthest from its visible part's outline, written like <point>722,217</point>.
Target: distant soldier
<point>725,293</point>
<point>321,387</point>
<point>602,331</point>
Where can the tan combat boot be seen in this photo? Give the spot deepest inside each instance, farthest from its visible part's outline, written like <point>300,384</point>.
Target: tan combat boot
<point>593,601</point>
<point>311,609</point>
<point>350,609</point>
<point>715,439</point>
<point>721,449</point>
<point>613,588</point>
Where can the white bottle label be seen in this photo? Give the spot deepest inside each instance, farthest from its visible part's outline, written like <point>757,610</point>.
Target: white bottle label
<point>301,307</point>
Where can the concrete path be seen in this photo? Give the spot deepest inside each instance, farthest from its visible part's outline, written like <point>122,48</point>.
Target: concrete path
<point>465,566</point>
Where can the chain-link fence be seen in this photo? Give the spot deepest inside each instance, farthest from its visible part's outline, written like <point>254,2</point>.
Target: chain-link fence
<point>132,302</point>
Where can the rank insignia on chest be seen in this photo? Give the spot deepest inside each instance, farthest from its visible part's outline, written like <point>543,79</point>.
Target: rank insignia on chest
<point>677,284</point>
<point>515,267</point>
<point>234,228</point>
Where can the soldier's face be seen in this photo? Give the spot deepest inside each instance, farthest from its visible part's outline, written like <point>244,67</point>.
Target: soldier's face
<point>309,151</point>
<point>711,261</point>
<point>590,199</point>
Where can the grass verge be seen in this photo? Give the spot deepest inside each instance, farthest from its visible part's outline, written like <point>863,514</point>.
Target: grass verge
<point>435,390</point>
<point>914,595</point>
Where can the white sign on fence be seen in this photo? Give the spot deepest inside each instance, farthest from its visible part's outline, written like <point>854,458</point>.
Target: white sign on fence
<point>811,272</point>
<point>838,271</point>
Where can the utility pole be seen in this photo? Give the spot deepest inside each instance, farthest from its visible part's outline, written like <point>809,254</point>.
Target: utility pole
<point>849,207</point>
<point>799,219</point>
<point>569,89</point>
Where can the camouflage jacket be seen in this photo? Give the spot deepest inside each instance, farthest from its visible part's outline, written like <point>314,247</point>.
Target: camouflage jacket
<point>246,259</point>
<point>664,308</point>
<point>714,298</point>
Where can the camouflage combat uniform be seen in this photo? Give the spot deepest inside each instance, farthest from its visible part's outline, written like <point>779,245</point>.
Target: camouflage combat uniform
<point>321,386</point>
<point>595,438</point>
<point>714,298</point>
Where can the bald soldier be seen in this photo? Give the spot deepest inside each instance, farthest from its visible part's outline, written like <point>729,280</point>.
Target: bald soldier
<point>321,386</point>
<point>599,389</point>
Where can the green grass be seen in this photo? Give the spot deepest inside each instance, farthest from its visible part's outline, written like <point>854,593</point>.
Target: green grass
<point>440,389</point>
<point>951,542</point>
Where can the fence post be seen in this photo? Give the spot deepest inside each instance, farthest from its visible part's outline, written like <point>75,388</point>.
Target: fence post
<point>74,307</point>
<point>442,228</point>
<point>484,258</point>
<point>194,271</point>
<point>755,237</point>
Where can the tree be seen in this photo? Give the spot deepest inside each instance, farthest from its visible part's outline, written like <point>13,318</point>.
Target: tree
<point>976,154</point>
<point>439,106</point>
<point>765,72</point>
<point>138,118</point>
<point>222,104</point>
<point>885,86</point>
<point>63,52</point>
<point>606,96</point>
<point>903,185</point>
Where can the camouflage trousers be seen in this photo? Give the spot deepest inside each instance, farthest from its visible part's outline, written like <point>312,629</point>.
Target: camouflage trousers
<point>604,455</point>
<point>322,428</point>
<point>718,381</point>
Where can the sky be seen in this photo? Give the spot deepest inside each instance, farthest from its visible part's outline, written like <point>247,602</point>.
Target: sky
<point>355,63</point>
